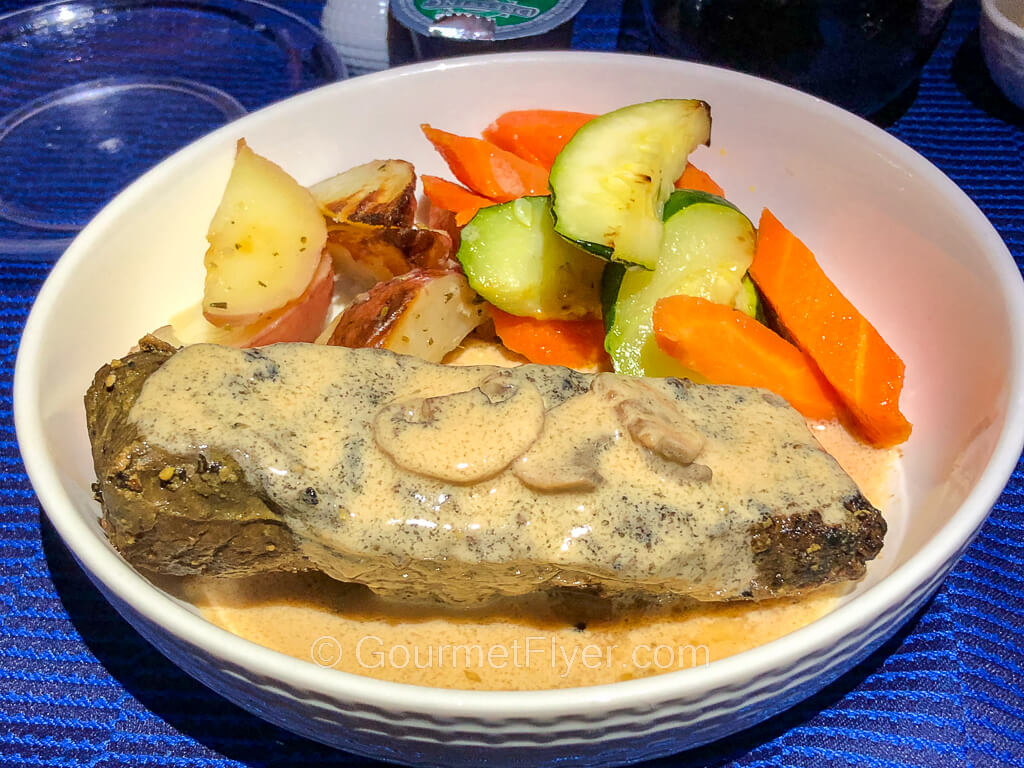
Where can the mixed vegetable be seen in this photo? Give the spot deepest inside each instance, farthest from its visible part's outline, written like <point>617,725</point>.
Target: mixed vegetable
<point>580,240</point>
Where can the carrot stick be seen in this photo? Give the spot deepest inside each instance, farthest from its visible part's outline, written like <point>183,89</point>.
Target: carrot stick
<point>451,197</point>
<point>694,178</point>
<point>486,169</point>
<point>535,135</point>
<point>726,346</point>
<point>572,343</point>
<point>851,354</point>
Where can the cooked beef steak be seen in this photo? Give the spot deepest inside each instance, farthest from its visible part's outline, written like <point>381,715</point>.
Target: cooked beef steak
<point>460,484</point>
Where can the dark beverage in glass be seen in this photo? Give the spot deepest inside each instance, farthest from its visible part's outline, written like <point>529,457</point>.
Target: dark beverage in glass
<point>860,54</point>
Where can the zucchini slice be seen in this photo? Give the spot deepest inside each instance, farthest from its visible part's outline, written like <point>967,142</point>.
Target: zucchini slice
<point>748,300</point>
<point>609,184</point>
<point>513,258</point>
<point>707,250</point>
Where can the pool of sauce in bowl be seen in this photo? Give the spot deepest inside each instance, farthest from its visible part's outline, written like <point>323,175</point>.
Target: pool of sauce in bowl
<point>527,643</point>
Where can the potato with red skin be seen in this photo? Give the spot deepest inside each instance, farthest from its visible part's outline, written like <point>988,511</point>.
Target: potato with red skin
<point>426,313</point>
<point>300,320</point>
<point>440,219</point>
<point>266,238</point>
<point>432,249</point>
<point>381,192</point>
<point>387,252</point>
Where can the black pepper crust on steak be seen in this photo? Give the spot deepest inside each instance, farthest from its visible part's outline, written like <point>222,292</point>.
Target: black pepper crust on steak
<point>196,514</point>
<point>204,519</point>
<point>794,551</point>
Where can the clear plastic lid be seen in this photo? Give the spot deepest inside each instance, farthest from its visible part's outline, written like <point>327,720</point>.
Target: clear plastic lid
<point>98,92</point>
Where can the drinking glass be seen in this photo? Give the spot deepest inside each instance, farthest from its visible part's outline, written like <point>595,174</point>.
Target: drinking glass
<point>859,54</point>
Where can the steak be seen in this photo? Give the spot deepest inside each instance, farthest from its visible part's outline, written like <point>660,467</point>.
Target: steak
<point>460,484</point>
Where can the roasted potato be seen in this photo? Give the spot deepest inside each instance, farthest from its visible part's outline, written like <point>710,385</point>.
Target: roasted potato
<point>440,219</point>
<point>426,313</point>
<point>381,192</point>
<point>266,239</point>
<point>389,251</point>
<point>298,320</point>
<point>432,249</point>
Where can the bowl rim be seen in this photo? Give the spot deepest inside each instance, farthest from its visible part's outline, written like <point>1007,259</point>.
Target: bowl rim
<point>100,560</point>
<point>997,16</point>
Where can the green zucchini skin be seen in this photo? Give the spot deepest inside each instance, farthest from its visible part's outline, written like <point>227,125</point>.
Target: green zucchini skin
<point>682,198</point>
<point>610,182</point>
<point>610,282</point>
<point>512,257</point>
<point>707,249</point>
<point>748,300</point>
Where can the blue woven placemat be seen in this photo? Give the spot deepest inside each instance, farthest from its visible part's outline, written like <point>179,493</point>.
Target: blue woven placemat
<point>78,687</point>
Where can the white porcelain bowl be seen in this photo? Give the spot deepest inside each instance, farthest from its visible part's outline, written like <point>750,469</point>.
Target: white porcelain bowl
<point>898,236</point>
<point>1001,30</point>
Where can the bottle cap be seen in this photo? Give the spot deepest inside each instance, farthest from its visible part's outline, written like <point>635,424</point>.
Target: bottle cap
<point>484,20</point>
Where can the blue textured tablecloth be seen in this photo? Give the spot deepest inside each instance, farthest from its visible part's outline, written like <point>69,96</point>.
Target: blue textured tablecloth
<point>78,687</point>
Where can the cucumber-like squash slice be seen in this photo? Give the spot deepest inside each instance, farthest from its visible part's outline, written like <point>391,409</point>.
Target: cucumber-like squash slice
<point>707,250</point>
<point>513,258</point>
<point>609,184</point>
<point>748,300</point>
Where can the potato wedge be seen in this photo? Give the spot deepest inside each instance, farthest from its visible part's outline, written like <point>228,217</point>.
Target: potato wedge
<point>432,249</point>
<point>389,251</point>
<point>426,313</point>
<point>381,192</point>
<point>439,218</point>
<point>266,239</point>
<point>299,320</point>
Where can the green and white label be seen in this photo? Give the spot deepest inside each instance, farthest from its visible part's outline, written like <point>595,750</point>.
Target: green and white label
<point>502,12</point>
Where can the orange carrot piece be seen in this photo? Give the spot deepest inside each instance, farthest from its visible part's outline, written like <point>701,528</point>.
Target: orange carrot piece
<point>726,346</point>
<point>572,343</point>
<point>536,135</point>
<point>694,178</point>
<point>851,354</point>
<point>451,197</point>
<point>487,169</point>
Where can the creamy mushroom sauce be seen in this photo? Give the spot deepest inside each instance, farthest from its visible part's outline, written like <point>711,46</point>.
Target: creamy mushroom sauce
<point>533,642</point>
<point>322,621</point>
<point>423,480</point>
